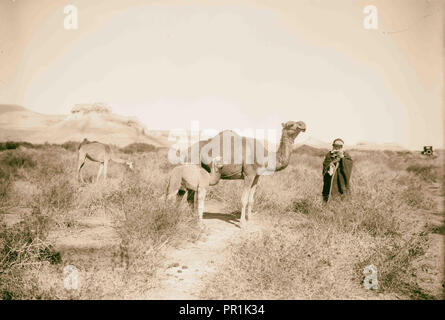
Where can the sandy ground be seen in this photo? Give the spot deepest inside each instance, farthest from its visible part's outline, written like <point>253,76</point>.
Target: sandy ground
<point>184,271</point>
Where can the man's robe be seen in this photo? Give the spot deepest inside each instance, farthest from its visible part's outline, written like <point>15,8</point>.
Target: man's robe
<point>338,183</point>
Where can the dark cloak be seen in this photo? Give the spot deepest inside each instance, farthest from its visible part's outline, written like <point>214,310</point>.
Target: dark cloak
<point>338,184</point>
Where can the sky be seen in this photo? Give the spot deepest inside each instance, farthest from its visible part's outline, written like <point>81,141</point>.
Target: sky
<point>235,64</point>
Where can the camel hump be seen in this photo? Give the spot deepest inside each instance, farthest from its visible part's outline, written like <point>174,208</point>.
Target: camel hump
<point>229,132</point>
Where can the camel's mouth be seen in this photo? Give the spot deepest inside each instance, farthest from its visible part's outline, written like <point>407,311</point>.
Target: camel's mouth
<point>301,125</point>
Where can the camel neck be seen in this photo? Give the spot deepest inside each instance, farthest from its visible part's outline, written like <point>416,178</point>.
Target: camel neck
<point>283,152</point>
<point>215,175</point>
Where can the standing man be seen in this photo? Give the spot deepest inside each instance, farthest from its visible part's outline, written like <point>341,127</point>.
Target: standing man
<point>337,169</point>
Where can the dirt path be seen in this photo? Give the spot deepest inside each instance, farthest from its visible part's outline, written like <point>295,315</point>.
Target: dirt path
<point>185,269</point>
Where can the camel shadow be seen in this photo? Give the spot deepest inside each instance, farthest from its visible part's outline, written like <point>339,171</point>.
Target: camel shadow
<point>232,218</point>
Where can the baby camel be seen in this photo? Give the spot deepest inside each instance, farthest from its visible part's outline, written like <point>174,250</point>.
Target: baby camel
<point>97,152</point>
<point>191,177</point>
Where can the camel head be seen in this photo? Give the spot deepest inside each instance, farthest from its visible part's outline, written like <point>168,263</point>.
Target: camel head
<point>217,161</point>
<point>291,129</point>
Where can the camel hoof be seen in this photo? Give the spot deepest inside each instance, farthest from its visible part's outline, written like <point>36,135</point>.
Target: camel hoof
<point>243,224</point>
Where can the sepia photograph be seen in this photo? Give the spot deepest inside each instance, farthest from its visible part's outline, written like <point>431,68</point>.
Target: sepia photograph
<point>208,150</point>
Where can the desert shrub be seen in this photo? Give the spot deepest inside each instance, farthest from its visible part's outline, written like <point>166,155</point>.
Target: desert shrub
<point>11,145</point>
<point>58,195</point>
<point>146,211</point>
<point>351,215</point>
<point>427,172</point>
<point>293,259</point>
<point>304,205</point>
<point>394,262</point>
<point>24,247</point>
<point>50,163</point>
<point>5,181</point>
<point>70,146</point>
<point>264,266</point>
<point>17,159</point>
<point>149,224</point>
<point>138,147</point>
<point>417,198</point>
<point>5,189</point>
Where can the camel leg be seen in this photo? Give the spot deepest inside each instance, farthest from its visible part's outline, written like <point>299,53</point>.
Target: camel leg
<point>201,195</point>
<point>79,170</point>
<point>101,165</point>
<point>248,181</point>
<point>251,197</point>
<point>105,169</point>
<point>80,164</point>
<point>195,200</point>
<point>191,194</point>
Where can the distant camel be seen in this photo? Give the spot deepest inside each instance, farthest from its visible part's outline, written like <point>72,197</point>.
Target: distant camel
<point>97,152</point>
<point>248,168</point>
<point>191,177</point>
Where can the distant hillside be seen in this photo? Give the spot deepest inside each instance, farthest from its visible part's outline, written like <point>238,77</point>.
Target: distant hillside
<point>313,142</point>
<point>305,149</point>
<point>91,121</point>
<point>376,146</point>
<point>10,108</point>
<point>318,144</point>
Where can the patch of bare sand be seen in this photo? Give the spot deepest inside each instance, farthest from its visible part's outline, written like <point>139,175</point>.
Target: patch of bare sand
<point>89,233</point>
<point>11,216</point>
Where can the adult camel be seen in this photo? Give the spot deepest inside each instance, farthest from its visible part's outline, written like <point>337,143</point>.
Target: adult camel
<point>246,158</point>
<point>97,152</point>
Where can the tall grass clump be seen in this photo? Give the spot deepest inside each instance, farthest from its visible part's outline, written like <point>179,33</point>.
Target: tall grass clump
<point>17,159</point>
<point>72,146</point>
<point>57,196</point>
<point>23,250</point>
<point>11,145</point>
<point>138,147</point>
<point>149,223</point>
<point>394,262</point>
<point>13,163</point>
<point>427,172</point>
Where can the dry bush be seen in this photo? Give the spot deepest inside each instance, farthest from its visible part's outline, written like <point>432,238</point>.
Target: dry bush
<point>427,172</point>
<point>394,262</point>
<point>23,250</point>
<point>70,146</point>
<point>147,215</point>
<point>12,164</point>
<point>138,147</point>
<point>57,196</point>
<point>10,145</point>
<point>17,159</point>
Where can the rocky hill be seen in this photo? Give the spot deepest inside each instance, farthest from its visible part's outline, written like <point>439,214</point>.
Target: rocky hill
<point>92,121</point>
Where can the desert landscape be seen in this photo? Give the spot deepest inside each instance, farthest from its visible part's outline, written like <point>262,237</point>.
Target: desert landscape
<point>222,150</point>
<point>127,242</point>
